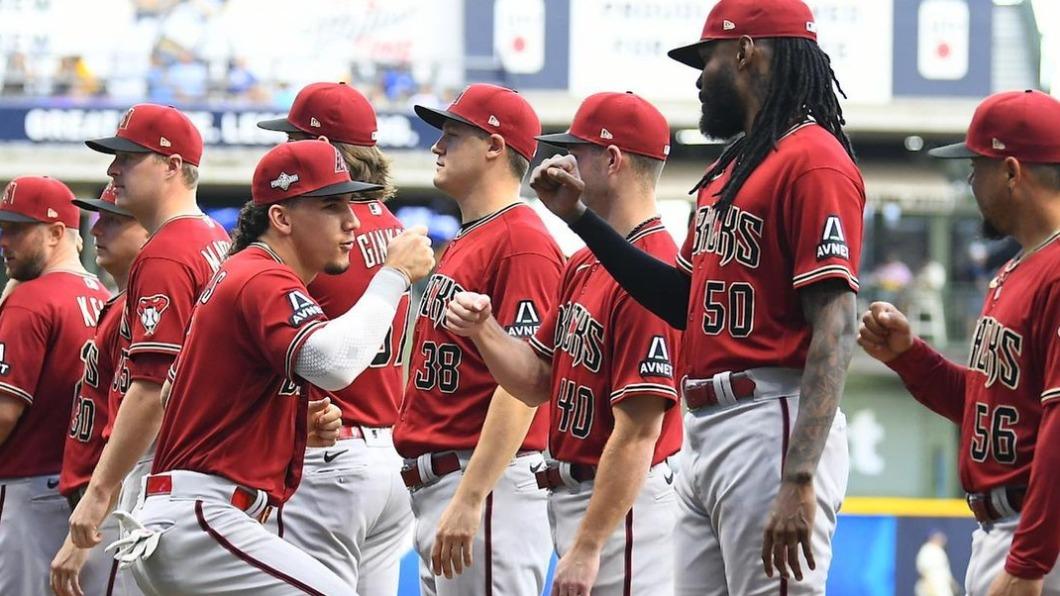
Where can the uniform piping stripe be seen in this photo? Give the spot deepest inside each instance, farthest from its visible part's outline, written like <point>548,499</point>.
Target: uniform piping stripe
<point>296,345</point>
<point>644,388</point>
<point>685,266</point>
<point>805,278</point>
<point>1050,394</point>
<point>627,580</point>
<point>247,558</point>
<point>151,346</point>
<point>3,497</point>
<point>488,530</point>
<point>113,576</point>
<point>17,392</point>
<point>487,219</point>
<point>540,348</point>
<point>646,232</point>
<point>786,416</point>
<point>279,521</point>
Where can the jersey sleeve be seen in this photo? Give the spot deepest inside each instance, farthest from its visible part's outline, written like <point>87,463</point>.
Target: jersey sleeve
<point>823,219</point>
<point>543,342</point>
<point>932,379</point>
<point>23,345</point>
<point>523,291</point>
<point>160,302</point>
<point>642,350</point>
<point>1049,340</point>
<point>279,316</point>
<point>683,261</point>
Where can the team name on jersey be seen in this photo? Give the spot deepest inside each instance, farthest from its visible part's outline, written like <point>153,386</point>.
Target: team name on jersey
<point>580,335</point>
<point>737,235</point>
<point>90,307</point>
<point>373,245</point>
<point>440,290</point>
<point>215,253</point>
<point>995,353</point>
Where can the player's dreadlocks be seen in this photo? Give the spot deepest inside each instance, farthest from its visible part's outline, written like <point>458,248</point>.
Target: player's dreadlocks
<point>800,87</point>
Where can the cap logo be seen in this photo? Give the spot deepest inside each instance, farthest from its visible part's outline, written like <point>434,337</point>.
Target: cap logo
<point>606,134</point>
<point>996,144</point>
<point>164,142</point>
<point>340,164</point>
<point>9,193</point>
<point>666,150</point>
<point>124,123</point>
<point>811,26</point>
<point>314,122</point>
<point>52,212</point>
<point>728,25</point>
<point>375,135</point>
<point>493,121</point>
<point>284,181</point>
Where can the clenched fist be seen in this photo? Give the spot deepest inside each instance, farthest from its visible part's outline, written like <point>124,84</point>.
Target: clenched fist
<point>410,252</point>
<point>884,332</point>
<point>467,313</point>
<point>559,186</point>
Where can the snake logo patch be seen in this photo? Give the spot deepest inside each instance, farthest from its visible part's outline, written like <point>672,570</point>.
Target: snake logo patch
<point>150,311</point>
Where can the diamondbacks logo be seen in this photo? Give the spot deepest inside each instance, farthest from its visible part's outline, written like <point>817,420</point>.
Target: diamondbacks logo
<point>9,193</point>
<point>124,123</point>
<point>580,335</point>
<point>302,308</point>
<point>526,320</point>
<point>996,350</point>
<point>833,241</point>
<point>440,290</point>
<point>150,311</point>
<point>736,236</point>
<point>340,164</point>
<point>657,362</point>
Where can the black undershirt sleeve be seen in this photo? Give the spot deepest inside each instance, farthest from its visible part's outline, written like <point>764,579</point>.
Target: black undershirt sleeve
<point>659,287</point>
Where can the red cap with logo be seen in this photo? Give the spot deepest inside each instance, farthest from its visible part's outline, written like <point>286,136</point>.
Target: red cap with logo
<point>1020,124</point>
<point>624,120</point>
<point>153,128</point>
<point>303,169</point>
<point>495,110</point>
<point>107,201</point>
<point>334,110</point>
<point>39,199</point>
<point>732,19</point>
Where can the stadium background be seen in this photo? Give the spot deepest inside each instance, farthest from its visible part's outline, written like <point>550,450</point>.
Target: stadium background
<point>913,71</point>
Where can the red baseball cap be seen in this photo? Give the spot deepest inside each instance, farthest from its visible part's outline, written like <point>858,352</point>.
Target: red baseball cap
<point>1020,124</point>
<point>492,109</point>
<point>303,169</point>
<point>106,202</point>
<point>152,128</point>
<point>334,110</point>
<point>732,19</point>
<point>39,199</point>
<point>624,120</point>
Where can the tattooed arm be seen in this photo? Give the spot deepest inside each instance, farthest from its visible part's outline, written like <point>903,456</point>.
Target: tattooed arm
<point>829,308</point>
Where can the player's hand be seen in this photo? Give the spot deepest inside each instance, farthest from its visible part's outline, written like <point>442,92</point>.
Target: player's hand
<point>324,422</point>
<point>455,538</point>
<point>576,573</point>
<point>1008,585</point>
<point>884,332</point>
<point>87,517</point>
<point>559,186</point>
<point>410,252</point>
<point>790,526</point>
<point>66,567</point>
<point>467,312</point>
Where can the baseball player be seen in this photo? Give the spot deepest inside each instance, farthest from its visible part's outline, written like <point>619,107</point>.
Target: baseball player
<point>1005,398</point>
<point>156,151</point>
<point>43,325</point>
<point>606,364</point>
<point>469,444</point>
<point>764,289</point>
<point>118,238</point>
<point>235,428</point>
<point>368,524</point>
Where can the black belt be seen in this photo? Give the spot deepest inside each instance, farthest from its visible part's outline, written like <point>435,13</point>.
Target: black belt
<point>75,496</point>
<point>1002,502</point>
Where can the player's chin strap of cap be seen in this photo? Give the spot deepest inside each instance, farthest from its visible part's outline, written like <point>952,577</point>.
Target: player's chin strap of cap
<point>138,542</point>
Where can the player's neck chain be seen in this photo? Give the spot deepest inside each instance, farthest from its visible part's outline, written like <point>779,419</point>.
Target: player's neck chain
<point>641,226</point>
<point>996,283</point>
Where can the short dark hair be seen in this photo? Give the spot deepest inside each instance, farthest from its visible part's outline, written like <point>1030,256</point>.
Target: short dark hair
<point>1047,173</point>
<point>518,164</point>
<point>647,169</point>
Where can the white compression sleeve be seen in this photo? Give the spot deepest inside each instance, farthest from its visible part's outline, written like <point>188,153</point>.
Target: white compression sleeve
<point>335,354</point>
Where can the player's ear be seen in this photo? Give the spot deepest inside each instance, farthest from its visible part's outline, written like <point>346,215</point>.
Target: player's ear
<point>1013,171</point>
<point>615,159</point>
<point>496,147</point>
<point>280,219</point>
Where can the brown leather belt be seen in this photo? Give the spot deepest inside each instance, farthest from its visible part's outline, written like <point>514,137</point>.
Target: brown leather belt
<point>242,498</point>
<point>550,478</point>
<point>703,395</point>
<point>441,464</point>
<point>985,509</point>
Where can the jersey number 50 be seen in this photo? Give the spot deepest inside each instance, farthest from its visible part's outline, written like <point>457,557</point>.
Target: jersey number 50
<point>728,305</point>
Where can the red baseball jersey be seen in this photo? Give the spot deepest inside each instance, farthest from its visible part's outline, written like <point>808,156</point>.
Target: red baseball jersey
<point>511,257</point>
<point>796,221</point>
<point>84,440</point>
<point>610,348</point>
<point>1006,399</point>
<point>43,325</point>
<point>165,279</point>
<point>373,398</point>
<point>236,409</point>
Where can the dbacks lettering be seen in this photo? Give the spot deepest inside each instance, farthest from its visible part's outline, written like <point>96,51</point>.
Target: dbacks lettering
<point>373,245</point>
<point>440,290</point>
<point>995,353</point>
<point>580,335</point>
<point>737,236</point>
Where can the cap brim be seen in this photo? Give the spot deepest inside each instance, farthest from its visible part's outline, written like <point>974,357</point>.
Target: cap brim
<point>954,151</point>
<point>17,217</point>
<point>688,55</point>
<point>562,139</point>
<point>114,144</point>
<point>98,205</point>
<point>437,118</point>
<point>342,188</point>
<point>279,125</point>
